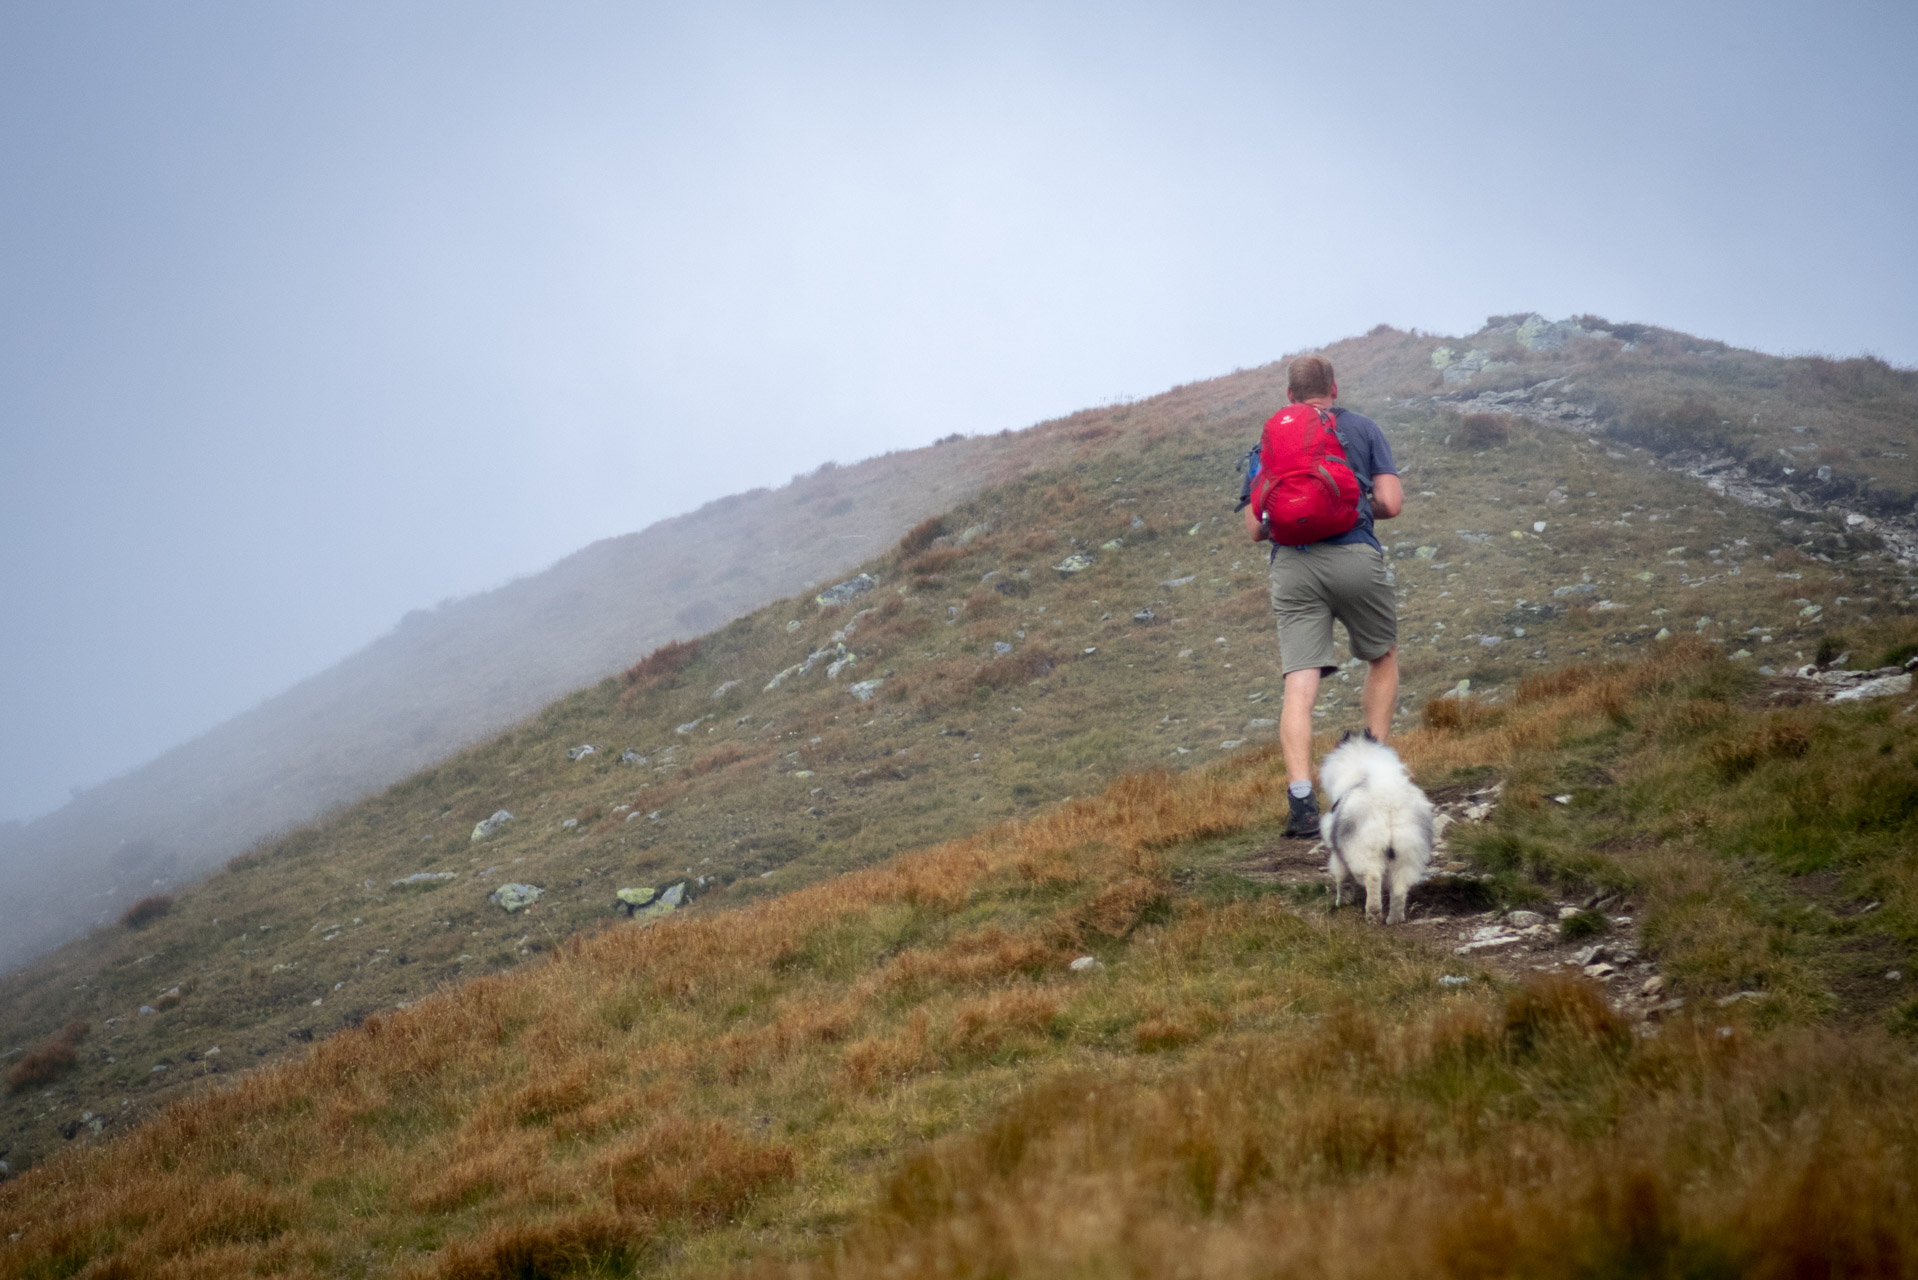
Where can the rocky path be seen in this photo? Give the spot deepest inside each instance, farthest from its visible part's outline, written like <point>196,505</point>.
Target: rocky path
<point>1448,911</point>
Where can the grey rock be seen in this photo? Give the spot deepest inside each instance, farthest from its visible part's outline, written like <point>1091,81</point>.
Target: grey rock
<point>426,877</point>
<point>689,726</point>
<point>667,903</point>
<point>725,689</point>
<point>1000,648</point>
<point>630,756</point>
<point>511,897</point>
<point>1524,919</point>
<point>1454,981</point>
<point>850,589</point>
<point>487,826</point>
<point>1575,589</point>
<point>633,899</point>
<point>1145,615</point>
<point>1086,964</point>
<point>865,689</point>
<point>579,752</point>
<point>1077,562</point>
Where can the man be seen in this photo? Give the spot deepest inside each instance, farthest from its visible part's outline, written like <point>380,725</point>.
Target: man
<point>1343,577</point>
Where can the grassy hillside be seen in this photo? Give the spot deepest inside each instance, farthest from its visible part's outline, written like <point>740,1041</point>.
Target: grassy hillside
<point>771,789</point>
<point>898,1072</point>
<point>459,673</point>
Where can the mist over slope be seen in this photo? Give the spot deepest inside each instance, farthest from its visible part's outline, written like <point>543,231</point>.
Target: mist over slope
<point>1095,613</point>
<point>452,675</point>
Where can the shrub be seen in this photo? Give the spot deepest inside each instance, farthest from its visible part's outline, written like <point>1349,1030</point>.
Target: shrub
<point>1829,647</point>
<point>1586,924</point>
<point>661,665</point>
<point>1691,423</point>
<point>51,1060</point>
<point>921,536</point>
<point>1482,431</point>
<point>146,911</point>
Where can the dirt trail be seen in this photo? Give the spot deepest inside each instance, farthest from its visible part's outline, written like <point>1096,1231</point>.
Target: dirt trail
<point>1449,910</point>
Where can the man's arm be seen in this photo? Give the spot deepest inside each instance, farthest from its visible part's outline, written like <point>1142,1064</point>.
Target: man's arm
<point>1252,524</point>
<point>1388,497</point>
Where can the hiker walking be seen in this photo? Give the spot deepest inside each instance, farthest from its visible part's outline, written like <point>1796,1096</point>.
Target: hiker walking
<point>1324,475</point>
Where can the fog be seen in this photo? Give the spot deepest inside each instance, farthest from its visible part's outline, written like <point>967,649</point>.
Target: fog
<point>315,315</point>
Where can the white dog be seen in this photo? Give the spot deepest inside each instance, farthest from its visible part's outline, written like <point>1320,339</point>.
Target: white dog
<point>1379,827</point>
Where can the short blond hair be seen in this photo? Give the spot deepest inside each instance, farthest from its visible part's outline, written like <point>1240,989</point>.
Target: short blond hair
<point>1309,377</point>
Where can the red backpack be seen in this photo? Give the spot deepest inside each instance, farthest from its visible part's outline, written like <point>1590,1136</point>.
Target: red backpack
<point>1305,491</point>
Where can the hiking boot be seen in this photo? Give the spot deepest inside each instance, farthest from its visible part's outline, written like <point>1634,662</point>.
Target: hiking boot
<point>1304,823</point>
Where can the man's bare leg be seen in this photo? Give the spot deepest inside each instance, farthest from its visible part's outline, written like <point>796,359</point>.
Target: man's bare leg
<point>1377,701</point>
<point>1295,722</point>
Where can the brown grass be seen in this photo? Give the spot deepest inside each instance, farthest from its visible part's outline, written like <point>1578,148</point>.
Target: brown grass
<point>146,911</point>
<point>50,1060</point>
<point>921,536</point>
<point>658,669</point>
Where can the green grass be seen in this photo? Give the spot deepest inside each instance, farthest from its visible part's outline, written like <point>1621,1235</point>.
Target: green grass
<point>960,737</point>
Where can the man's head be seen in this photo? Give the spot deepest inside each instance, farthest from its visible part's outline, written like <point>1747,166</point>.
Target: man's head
<point>1310,378</point>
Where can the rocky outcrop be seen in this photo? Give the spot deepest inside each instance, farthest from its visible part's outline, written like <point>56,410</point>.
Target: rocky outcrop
<point>487,826</point>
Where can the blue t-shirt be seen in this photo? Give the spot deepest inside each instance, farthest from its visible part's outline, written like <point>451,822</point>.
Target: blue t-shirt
<point>1370,455</point>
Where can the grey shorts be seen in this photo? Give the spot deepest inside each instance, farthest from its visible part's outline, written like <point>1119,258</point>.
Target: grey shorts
<point>1311,587</point>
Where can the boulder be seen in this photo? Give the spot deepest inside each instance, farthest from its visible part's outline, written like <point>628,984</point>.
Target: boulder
<point>667,903</point>
<point>850,589</point>
<point>511,897</point>
<point>487,826</point>
<point>1077,562</point>
<point>865,688</point>
<point>630,756</point>
<point>580,752</point>
<point>631,900</point>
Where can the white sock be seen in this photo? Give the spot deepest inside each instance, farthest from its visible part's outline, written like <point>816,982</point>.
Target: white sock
<point>1301,789</point>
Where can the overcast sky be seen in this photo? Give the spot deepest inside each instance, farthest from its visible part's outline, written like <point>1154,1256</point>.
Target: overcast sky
<point>314,314</point>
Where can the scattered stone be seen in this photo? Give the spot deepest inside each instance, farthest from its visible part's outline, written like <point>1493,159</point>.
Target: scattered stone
<point>839,593</point>
<point>1566,913</point>
<point>1652,987</point>
<point>579,752</point>
<point>1490,642</point>
<point>1664,633</point>
<point>1145,615</point>
<point>1085,964</point>
<point>425,877</point>
<point>147,1008</point>
<point>632,757</point>
<point>667,903</point>
<point>569,824</point>
<point>633,899</point>
<point>1892,975</point>
<point>1000,648</point>
<point>689,726</point>
<point>1261,723</point>
<point>1600,971</point>
<point>1230,743</point>
<point>1113,544</point>
<point>1524,919</point>
<point>1741,653</point>
<point>725,689</point>
<point>487,826</point>
<point>1426,553</point>
<point>511,897</point>
<point>864,689</point>
<point>1077,562</point>
<point>1538,526</point>
<point>1486,938</point>
<point>1561,799</point>
<point>1726,1002</point>
<point>1186,581</point>
<point>1575,589</point>
<point>1454,981</point>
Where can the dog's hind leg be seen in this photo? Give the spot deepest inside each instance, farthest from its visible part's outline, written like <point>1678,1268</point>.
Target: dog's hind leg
<point>1374,893</point>
<point>1335,867</point>
<point>1402,879</point>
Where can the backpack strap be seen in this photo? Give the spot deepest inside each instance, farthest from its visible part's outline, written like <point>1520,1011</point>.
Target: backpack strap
<point>1365,482</point>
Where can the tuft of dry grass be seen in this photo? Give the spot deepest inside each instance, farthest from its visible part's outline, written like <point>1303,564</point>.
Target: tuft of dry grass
<point>146,911</point>
<point>49,1060</point>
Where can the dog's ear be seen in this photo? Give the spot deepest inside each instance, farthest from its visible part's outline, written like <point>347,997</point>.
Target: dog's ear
<point>1368,736</point>
<point>1347,736</point>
